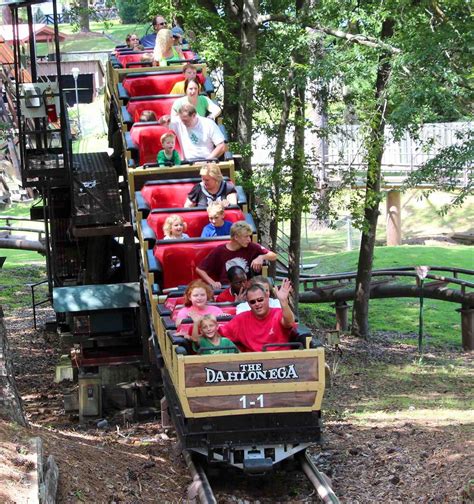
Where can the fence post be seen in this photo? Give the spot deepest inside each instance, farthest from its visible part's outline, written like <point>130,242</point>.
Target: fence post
<point>394,218</point>
<point>467,327</point>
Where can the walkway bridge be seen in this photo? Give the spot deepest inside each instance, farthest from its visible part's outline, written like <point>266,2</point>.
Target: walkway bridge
<point>342,154</point>
<point>339,288</point>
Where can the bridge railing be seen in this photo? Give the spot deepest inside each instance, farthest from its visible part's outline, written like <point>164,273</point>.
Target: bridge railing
<point>339,288</point>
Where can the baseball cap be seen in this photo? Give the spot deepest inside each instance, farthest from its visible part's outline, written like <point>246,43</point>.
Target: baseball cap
<point>177,31</point>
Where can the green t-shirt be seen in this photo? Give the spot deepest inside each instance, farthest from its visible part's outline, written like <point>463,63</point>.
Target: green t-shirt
<point>201,105</point>
<point>162,159</point>
<point>207,347</point>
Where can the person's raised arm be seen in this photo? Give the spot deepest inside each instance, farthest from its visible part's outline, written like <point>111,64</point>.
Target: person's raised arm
<point>208,279</point>
<point>283,293</point>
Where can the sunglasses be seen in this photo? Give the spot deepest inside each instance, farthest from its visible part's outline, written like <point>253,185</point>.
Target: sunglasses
<point>164,23</point>
<point>258,300</point>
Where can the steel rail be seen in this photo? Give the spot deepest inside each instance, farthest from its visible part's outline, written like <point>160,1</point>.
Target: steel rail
<point>204,490</point>
<point>308,277</point>
<point>318,479</point>
<point>395,272</point>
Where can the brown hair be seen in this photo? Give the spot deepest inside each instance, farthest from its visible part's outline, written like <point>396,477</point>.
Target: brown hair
<point>197,284</point>
<point>188,81</point>
<point>189,65</point>
<point>187,109</point>
<point>147,116</point>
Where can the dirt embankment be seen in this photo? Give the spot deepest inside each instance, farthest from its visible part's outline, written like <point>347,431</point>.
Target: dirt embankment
<point>375,450</point>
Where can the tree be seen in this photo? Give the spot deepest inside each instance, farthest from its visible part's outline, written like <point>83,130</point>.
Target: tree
<point>419,72</point>
<point>83,13</point>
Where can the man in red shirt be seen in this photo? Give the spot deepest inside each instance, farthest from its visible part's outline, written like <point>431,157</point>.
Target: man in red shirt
<point>240,251</point>
<point>262,325</point>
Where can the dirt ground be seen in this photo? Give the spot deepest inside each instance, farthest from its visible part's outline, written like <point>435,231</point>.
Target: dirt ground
<point>418,454</point>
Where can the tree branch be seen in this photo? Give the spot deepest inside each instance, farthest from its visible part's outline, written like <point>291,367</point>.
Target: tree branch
<point>356,39</point>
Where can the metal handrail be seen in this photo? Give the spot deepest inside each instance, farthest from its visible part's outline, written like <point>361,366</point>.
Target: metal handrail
<point>34,304</point>
<point>394,272</point>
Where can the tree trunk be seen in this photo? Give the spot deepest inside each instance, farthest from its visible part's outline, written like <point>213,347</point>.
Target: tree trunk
<point>248,37</point>
<point>297,187</point>
<point>297,170</point>
<point>84,16</point>
<point>277,165</point>
<point>375,146</point>
<point>10,402</point>
<point>231,88</point>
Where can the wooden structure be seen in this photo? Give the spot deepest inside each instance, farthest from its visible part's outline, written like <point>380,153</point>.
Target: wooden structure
<point>339,288</point>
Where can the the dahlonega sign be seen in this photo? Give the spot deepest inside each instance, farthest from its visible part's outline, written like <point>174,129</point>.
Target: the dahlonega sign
<point>251,372</point>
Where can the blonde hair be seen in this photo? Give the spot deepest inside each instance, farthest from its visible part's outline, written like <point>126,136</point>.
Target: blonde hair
<point>170,220</point>
<point>212,170</point>
<point>166,136</point>
<point>161,44</point>
<point>197,284</point>
<point>208,316</point>
<point>240,227</point>
<point>215,207</point>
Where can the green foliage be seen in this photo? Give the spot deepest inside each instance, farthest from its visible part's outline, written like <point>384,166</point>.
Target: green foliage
<point>130,11</point>
<point>450,168</point>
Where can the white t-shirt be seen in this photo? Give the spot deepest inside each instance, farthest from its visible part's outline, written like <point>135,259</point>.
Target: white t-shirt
<point>200,140</point>
<point>243,307</point>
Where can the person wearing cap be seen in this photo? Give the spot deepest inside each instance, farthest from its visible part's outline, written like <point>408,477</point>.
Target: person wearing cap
<point>178,35</point>
<point>148,41</point>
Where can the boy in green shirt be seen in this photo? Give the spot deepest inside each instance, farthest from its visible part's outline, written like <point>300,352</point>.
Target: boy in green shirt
<point>206,336</point>
<point>168,156</point>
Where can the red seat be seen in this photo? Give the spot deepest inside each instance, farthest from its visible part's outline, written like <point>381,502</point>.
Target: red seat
<point>195,219</point>
<point>172,195</point>
<point>134,57</point>
<point>131,59</point>
<point>187,328</point>
<point>179,259</point>
<point>189,55</point>
<point>227,309</point>
<point>147,137</point>
<point>155,84</point>
<point>171,302</point>
<point>160,106</point>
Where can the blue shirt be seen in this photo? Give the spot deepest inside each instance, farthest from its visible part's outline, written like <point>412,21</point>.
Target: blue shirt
<point>148,40</point>
<point>210,230</point>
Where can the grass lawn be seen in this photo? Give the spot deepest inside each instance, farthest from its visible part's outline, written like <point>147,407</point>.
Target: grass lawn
<point>21,268</point>
<point>442,324</point>
<point>103,37</point>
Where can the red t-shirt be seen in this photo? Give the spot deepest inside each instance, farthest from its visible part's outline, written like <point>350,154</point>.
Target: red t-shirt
<point>225,296</point>
<point>221,259</point>
<point>252,333</point>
